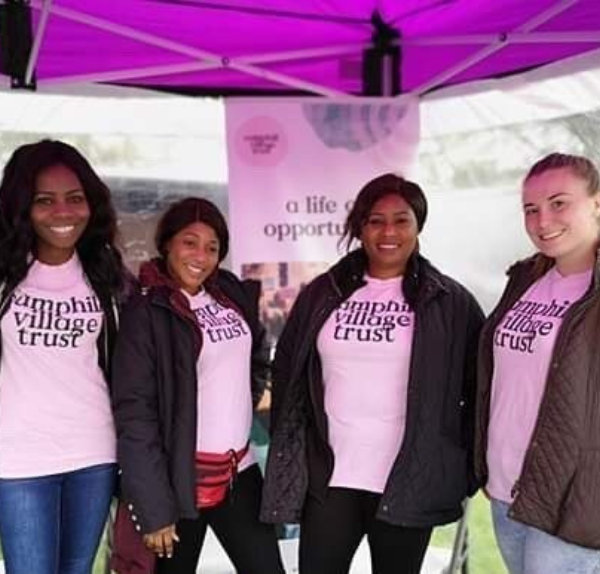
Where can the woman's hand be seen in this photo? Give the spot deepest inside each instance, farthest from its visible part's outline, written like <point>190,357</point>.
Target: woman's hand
<point>161,541</point>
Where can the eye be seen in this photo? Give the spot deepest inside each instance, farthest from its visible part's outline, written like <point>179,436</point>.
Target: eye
<point>530,210</point>
<point>189,242</point>
<point>213,249</point>
<point>42,200</point>
<point>375,221</point>
<point>79,198</point>
<point>557,204</point>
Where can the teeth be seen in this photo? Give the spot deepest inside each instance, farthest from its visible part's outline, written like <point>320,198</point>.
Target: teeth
<point>63,229</point>
<point>551,235</point>
<point>195,270</point>
<point>388,246</point>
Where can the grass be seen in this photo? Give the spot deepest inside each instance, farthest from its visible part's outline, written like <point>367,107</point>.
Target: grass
<point>484,557</point>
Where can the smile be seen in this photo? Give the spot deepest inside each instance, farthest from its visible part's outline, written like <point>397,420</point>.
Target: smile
<point>63,229</point>
<point>194,269</point>
<point>550,236</point>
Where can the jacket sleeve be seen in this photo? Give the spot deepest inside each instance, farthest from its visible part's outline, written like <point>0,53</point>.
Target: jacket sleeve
<point>145,483</point>
<point>475,322</point>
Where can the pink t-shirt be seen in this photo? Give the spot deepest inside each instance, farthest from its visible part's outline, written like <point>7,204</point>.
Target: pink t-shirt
<point>224,385</point>
<point>55,413</point>
<point>523,345</point>
<point>365,348</point>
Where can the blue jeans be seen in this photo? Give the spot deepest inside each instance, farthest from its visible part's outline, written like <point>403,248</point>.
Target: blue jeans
<point>53,524</point>
<point>527,550</point>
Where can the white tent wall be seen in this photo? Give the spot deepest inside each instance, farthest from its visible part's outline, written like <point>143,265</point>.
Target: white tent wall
<point>150,148</point>
<point>477,142</point>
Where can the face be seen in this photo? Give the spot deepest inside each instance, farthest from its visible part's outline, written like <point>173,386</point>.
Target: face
<point>192,255</point>
<point>59,214</point>
<point>389,236</point>
<point>561,218</point>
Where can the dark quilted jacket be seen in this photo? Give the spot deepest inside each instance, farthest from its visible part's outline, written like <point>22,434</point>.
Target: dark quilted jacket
<point>559,487</point>
<point>431,475</point>
<point>155,393</point>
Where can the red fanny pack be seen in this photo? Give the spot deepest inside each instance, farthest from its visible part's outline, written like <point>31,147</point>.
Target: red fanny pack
<point>215,475</point>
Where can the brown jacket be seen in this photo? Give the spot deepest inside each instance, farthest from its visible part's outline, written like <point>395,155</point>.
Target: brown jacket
<point>559,487</point>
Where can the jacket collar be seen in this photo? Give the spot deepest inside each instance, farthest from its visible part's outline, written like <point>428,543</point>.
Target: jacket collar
<point>163,291</point>
<point>539,264</point>
<point>153,276</point>
<point>156,282</point>
<point>422,280</point>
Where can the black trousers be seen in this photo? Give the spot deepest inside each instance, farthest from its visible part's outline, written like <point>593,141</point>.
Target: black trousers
<point>250,544</point>
<point>330,534</point>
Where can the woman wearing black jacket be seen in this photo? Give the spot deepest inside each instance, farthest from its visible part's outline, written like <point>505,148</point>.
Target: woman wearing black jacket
<point>187,366</point>
<point>374,382</point>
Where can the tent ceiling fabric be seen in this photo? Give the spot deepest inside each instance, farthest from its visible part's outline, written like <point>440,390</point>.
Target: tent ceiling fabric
<point>285,46</point>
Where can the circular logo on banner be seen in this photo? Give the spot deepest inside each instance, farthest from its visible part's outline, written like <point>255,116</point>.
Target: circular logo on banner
<point>261,142</point>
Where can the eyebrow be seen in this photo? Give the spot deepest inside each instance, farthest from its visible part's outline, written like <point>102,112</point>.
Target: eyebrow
<point>192,234</point>
<point>552,197</point>
<point>403,212</point>
<point>51,192</point>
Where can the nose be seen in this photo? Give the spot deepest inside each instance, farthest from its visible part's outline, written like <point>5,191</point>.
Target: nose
<point>63,209</point>
<point>543,218</point>
<point>389,228</point>
<point>200,254</point>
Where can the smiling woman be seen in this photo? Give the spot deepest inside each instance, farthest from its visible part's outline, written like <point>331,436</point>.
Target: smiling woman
<point>189,366</point>
<point>59,213</point>
<point>539,368</point>
<point>62,283</point>
<point>372,397</point>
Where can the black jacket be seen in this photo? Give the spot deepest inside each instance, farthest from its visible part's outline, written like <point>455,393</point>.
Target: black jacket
<point>432,472</point>
<point>155,396</point>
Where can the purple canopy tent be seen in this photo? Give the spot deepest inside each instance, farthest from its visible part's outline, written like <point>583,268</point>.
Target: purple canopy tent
<point>281,47</point>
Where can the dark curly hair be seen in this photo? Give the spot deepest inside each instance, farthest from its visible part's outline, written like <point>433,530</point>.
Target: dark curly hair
<point>185,212</point>
<point>101,260</point>
<point>372,192</point>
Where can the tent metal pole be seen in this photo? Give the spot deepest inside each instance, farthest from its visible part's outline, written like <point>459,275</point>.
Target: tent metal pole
<point>493,48</point>
<point>129,74</point>
<point>302,54</point>
<point>123,75</point>
<point>37,43</point>
<point>381,60</point>
<point>190,51</point>
<point>512,37</point>
<point>128,32</point>
<point>288,80</point>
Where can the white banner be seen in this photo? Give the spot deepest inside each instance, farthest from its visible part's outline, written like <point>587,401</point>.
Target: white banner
<point>295,167</point>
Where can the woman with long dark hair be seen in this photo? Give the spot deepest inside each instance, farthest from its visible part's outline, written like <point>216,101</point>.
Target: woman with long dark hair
<point>62,281</point>
<point>373,392</point>
<point>189,366</point>
<point>538,415</point>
